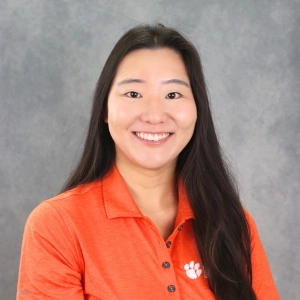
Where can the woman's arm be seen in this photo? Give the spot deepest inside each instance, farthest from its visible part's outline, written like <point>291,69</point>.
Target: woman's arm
<point>263,283</point>
<point>51,265</point>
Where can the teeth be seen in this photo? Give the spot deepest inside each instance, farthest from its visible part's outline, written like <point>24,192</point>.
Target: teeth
<point>152,137</point>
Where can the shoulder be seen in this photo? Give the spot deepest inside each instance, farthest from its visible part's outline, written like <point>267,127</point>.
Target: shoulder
<point>83,192</point>
<point>262,281</point>
<point>253,231</point>
<point>83,197</point>
<point>251,224</point>
<point>63,209</point>
<point>256,244</point>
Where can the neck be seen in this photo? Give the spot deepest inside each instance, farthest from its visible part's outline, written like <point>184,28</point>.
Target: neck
<point>152,190</point>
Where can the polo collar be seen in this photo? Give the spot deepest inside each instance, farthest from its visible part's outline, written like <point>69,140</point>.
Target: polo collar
<point>118,201</point>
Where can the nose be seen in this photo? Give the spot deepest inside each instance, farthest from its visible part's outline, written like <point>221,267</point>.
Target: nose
<point>154,111</point>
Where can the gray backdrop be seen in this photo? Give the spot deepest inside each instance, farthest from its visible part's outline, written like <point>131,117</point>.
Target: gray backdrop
<point>52,53</point>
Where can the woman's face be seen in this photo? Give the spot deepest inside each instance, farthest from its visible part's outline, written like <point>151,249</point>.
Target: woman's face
<point>151,109</point>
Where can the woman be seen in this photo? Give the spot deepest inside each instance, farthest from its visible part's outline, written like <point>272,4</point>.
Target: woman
<point>150,211</point>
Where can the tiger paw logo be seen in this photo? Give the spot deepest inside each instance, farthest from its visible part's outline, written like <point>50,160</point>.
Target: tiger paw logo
<point>193,270</point>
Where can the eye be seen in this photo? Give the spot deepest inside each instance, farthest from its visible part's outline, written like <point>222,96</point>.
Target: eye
<point>133,95</point>
<point>173,95</point>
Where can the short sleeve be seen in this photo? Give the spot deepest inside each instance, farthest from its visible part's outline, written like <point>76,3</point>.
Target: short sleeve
<point>262,281</point>
<point>50,265</point>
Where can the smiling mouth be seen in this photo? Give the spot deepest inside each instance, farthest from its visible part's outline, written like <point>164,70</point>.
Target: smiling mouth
<point>152,136</point>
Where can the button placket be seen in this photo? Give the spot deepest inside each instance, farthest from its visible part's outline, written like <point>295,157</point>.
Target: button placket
<point>164,251</point>
<point>168,273</point>
<point>171,287</point>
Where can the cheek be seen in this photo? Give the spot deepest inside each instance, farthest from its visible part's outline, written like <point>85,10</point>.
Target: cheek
<point>119,116</point>
<point>187,117</point>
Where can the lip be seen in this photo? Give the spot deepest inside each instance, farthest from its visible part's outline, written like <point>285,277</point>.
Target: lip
<point>156,137</point>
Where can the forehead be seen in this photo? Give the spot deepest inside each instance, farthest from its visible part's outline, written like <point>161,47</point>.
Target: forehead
<point>163,62</point>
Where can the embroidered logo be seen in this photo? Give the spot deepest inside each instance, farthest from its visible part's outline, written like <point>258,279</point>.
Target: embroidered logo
<point>192,270</point>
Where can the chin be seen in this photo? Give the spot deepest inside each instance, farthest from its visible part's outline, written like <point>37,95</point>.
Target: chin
<point>156,165</point>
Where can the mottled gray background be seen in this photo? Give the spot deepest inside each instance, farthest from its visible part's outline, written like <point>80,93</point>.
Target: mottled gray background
<point>51,54</point>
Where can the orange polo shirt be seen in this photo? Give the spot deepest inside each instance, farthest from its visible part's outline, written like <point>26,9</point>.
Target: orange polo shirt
<point>93,242</point>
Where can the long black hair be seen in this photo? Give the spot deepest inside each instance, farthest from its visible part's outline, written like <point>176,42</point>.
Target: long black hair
<point>220,226</point>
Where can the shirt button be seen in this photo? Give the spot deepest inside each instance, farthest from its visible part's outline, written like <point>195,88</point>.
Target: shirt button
<point>166,264</point>
<point>171,288</point>
<point>168,244</point>
<point>180,227</point>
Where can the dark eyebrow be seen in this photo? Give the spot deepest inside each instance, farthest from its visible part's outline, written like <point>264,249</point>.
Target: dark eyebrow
<point>169,81</point>
<point>178,81</point>
<point>130,80</point>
